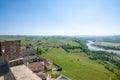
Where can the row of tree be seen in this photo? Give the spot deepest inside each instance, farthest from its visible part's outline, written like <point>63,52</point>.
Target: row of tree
<point>106,56</point>
<point>82,46</point>
<point>68,47</point>
<point>111,61</point>
<point>108,47</point>
<point>40,51</point>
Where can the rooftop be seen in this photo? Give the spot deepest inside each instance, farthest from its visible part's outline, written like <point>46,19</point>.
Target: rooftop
<point>21,72</point>
<point>62,77</point>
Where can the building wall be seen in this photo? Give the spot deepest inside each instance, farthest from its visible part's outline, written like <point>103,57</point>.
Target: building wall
<point>0,50</point>
<point>36,66</point>
<point>12,49</point>
<point>2,61</point>
<point>16,62</point>
<point>9,50</point>
<point>11,76</point>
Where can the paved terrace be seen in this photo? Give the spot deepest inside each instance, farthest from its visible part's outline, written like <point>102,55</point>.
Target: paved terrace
<point>21,72</point>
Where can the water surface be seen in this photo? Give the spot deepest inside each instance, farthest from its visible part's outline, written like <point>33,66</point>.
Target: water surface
<point>91,47</point>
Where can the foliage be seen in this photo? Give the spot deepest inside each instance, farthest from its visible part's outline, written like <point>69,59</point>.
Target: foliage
<point>69,47</point>
<point>106,56</point>
<point>110,61</point>
<point>76,46</point>
<point>108,47</point>
<point>83,46</point>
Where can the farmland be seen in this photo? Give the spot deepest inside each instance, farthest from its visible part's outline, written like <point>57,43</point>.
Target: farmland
<point>75,63</point>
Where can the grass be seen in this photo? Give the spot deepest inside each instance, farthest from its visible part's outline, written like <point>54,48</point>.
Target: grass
<point>77,66</point>
<point>50,42</point>
<point>74,50</point>
<point>71,42</point>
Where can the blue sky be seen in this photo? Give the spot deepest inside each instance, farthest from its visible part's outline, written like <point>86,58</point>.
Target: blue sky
<point>59,17</point>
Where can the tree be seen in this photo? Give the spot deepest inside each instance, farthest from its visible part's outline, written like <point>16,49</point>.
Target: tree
<point>40,51</point>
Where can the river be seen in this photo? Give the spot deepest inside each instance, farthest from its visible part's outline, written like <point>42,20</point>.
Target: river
<point>91,47</point>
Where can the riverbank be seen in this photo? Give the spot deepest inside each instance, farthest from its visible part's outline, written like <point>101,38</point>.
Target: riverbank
<point>93,47</point>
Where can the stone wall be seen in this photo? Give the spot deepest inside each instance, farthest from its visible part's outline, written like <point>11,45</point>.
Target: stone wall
<point>11,76</point>
<point>10,50</point>
<point>16,62</point>
<point>2,62</point>
<point>36,66</point>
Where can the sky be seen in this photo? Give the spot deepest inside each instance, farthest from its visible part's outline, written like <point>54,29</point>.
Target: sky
<point>60,17</point>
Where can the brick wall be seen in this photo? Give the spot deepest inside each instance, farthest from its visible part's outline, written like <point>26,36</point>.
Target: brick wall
<point>12,49</point>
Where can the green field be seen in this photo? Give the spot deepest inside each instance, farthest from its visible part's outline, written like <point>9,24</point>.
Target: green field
<point>77,66</point>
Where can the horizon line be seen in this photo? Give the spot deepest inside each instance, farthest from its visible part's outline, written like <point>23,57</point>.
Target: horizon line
<point>59,35</point>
